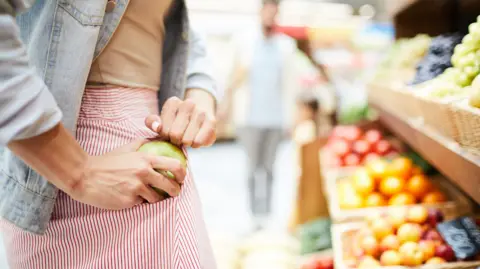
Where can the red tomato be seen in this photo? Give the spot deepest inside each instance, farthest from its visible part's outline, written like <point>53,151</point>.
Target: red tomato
<point>361,147</point>
<point>383,147</point>
<point>336,161</point>
<point>373,136</point>
<point>352,159</point>
<point>338,131</point>
<point>340,147</point>
<point>352,133</point>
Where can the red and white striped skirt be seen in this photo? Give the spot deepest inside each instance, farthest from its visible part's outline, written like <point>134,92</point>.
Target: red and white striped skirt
<point>169,235</point>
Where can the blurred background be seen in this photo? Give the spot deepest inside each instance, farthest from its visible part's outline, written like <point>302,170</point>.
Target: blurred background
<point>332,112</point>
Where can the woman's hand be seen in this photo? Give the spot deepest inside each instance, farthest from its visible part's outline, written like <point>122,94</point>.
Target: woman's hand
<point>184,123</point>
<point>123,178</point>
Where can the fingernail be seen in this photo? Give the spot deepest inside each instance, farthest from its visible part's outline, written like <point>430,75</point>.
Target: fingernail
<point>155,126</point>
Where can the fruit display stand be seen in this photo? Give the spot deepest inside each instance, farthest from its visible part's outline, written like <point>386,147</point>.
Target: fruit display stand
<point>398,99</point>
<point>456,205</point>
<point>343,236</point>
<point>456,163</point>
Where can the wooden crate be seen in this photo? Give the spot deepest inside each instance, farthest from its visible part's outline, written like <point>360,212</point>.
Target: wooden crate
<point>342,236</point>
<point>458,204</point>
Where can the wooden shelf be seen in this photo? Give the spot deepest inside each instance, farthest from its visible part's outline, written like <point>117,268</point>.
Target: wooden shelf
<point>461,167</point>
<point>435,17</point>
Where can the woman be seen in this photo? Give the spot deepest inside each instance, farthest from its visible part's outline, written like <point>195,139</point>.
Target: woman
<point>88,203</point>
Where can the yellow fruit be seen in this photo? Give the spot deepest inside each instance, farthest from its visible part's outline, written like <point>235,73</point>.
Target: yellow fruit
<point>381,228</point>
<point>391,258</point>
<point>354,201</point>
<point>375,199</point>
<point>400,167</point>
<point>377,169</point>
<point>392,185</point>
<point>419,185</point>
<point>434,197</point>
<point>401,199</point>
<point>363,183</point>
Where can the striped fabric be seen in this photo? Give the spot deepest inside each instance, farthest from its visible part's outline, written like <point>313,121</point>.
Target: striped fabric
<point>167,235</point>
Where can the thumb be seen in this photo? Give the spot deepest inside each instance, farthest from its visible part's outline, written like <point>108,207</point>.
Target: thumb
<point>154,123</point>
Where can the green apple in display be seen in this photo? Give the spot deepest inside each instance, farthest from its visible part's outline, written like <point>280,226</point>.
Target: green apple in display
<point>164,149</point>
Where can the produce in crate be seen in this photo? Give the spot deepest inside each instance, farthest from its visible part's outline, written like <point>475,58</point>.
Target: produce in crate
<point>407,245</point>
<point>438,57</point>
<point>403,55</point>
<point>348,146</point>
<point>465,61</point>
<point>396,182</point>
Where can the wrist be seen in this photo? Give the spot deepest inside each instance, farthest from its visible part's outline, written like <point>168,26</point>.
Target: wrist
<point>55,155</point>
<point>203,100</point>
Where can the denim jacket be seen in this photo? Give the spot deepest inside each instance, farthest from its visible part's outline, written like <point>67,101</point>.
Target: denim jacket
<point>38,91</point>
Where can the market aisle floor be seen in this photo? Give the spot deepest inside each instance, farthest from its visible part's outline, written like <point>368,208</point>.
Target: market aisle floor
<point>220,173</point>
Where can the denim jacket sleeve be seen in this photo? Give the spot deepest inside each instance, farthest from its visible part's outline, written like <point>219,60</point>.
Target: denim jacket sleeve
<point>199,67</point>
<point>27,108</point>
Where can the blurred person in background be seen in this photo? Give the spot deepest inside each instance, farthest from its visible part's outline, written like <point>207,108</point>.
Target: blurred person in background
<point>265,64</point>
<point>100,79</point>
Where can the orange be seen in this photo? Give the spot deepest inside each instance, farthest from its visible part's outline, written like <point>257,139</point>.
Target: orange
<point>363,183</point>
<point>434,197</point>
<point>400,167</point>
<point>419,185</point>
<point>375,199</point>
<point>392,185</point>
<point>401,199</point>
<point>377,168</point>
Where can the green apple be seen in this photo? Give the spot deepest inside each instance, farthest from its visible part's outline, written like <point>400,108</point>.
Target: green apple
<point>164,149</point>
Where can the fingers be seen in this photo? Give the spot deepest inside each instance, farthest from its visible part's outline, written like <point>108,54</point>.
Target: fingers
<point>181,122</point>
<point>161,182</point>
<point>206,136</point>
<point>193,128</point>
<point>168,114</point>
<point>169,164</point>
<point>147,193</point>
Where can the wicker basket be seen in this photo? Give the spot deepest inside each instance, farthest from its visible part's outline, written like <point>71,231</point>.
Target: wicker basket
<point>343,235</point>
<point>467,122</point>
<point>438,115</point>
<point>458,204</point>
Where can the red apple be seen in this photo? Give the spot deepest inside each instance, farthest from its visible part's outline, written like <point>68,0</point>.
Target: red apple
<point>361,147</point>
<point>432,235</point>
<point>445,252</point>
<point>351,159</point>
<point>435,216</point>
<point>340,147</point>
<point>383,147</point>
<point>373,136</point>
